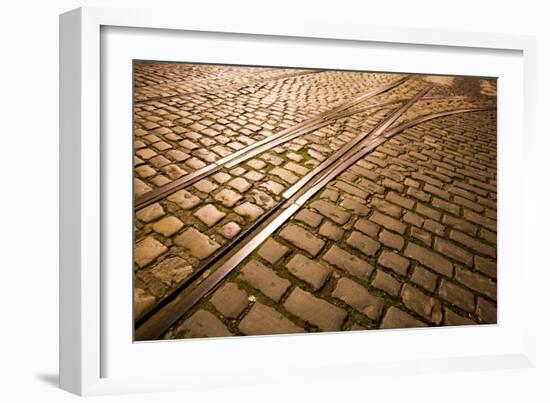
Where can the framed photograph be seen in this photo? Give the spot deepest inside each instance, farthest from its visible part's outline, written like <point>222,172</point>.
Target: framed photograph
<point>237,198</point>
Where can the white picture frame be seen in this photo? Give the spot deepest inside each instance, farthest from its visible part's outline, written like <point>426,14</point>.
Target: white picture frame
<point>87,315</point>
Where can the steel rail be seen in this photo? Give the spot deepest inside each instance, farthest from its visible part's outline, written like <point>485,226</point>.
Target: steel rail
<point>217,254</point>
<point>166,313</point>
<point>149,331</point>
<point>357,140</point>
<point>402,100</point>
<point>375,142</point>
<point>260,146</point>
<point>335,113</point>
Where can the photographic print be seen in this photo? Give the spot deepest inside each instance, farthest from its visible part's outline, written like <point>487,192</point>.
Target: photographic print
<point>272,200</point>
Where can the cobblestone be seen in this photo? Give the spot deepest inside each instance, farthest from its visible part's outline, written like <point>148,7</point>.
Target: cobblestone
<point>297,169</point>
<point>418,194</point>
<point>265,320</point>
<point>430,259</point>
<point>370,186</point>
<point>394,261</point>
<point>427,307</point>
<point>437,191</point>
<point>256,164</point>
<point>230,300</point>
<point>308,270</point>
<point>434,227</point>
<point>354,206</point>
<point>358,297</point>
<point>487,235</point>
<point>457,295</point>
<point>168,226</point>
<point>265,280</point>
<point>230,230</point>
<point>142,302</point>
<point>454,319</point>
<point>477,282</point>
<point>209,215</point>
<point>309,217</point>
<point>386,283</point>
<point>443,205</point>
<point>348,262</point>
<point>184,199</point>
<point>331,231</point>
<point>145,171</point>
<point>387,208</point>
<point>314,310</point>
<point>199,245</point>
<point>459,224</point>
<point>329,210</point>
<point>272,251</point>
<point>367,227</point>
<point>146,153</point>
<point>414,220</point>
<point>285,175</point>
<point>273,187</point>
<point>389,223</point>
<point>240,184</point>
<point>172,271</point>
<point>254,176</point>
<point>249,211</point>
<point>486,266</point>
<point>486,311</point>
<point>352,190</point>
<point>424,278</point>
<point>454,252</point>
<point>488,223</point>
<point>302,239</point>
<point>363,243</point>
<point>227,197</point>
<point>148,250</point>
<point>173,171</point>
<point>203,324</point>
<point>262,199</point>
<point>177,155</point>
<point>428,212</point>
<point>473,243</point>
<point>221,177</point>
<point>150,213</point>
<point>395,318</point>
<point>392,240</point>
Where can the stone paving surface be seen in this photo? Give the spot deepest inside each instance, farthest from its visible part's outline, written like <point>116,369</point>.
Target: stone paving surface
<point>406,237</point>
<point>178,134</point>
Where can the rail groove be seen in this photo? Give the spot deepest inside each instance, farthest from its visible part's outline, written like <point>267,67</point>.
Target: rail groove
<point>170,310</point>
<point>153,324</point>
<point>254,149</point>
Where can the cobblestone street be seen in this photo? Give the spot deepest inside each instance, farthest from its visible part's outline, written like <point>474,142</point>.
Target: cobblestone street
<point>405,236</point>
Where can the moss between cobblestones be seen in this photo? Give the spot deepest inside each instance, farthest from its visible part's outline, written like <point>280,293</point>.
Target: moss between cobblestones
<point>324,293</point>
<point>231,324</point>
<point>354,316</point>
<point>279,307</point>
<point>280,268</point>
<point>303,153</point>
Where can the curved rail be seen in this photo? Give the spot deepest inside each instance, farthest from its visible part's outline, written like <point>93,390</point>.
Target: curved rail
<point>254,149</point>
<point>170,310</point>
